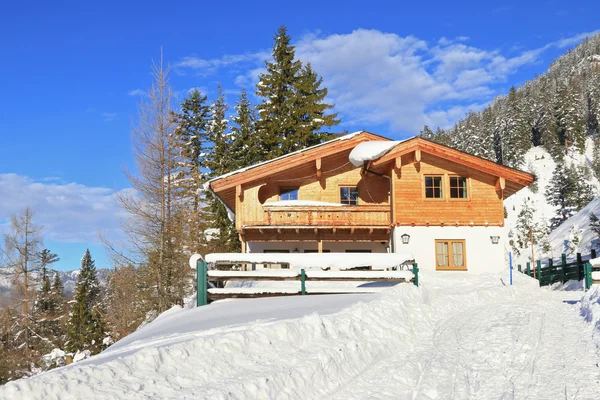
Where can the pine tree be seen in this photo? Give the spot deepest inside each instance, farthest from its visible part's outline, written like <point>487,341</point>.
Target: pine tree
<point>245,149</point>
<point>45,259</point>
<point>192,140</point>
<point>568,191</point>
<point>310,112</point>
<point>220,162</point>
<point>86,329</point>
<point>527,229</point>
<point>595,225</point>
<point>292,111</point>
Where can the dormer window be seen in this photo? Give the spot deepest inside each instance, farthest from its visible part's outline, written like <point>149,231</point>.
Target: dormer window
<point>290,193</point>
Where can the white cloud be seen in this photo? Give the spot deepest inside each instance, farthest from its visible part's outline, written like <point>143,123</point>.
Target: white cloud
<point>108,116</point>
<point>136,92</point>
<point>209,66</point>
<point>69,212</point>
<point>382,78</point>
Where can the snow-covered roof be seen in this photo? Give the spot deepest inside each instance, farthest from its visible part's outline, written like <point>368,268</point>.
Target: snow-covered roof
<point>369,151</point>
<point>238,171</point>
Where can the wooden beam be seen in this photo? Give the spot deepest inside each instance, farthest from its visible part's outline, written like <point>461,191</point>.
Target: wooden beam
<point>398,162</point>
<point>238,206</point>
<point>319,171</point>
<point>500,183</point>
<point>243,242</point>
<point>417,155</point>
<point>320,245</point>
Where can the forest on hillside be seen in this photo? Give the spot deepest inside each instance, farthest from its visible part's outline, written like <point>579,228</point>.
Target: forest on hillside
<point>558,111</point>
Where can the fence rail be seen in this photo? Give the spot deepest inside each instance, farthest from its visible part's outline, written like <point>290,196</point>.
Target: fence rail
<point>204,293</point>
<point>562,271</point>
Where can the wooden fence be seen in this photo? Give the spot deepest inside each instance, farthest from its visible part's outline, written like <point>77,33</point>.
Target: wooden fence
<point>206,294</point>
<point>548,272</point>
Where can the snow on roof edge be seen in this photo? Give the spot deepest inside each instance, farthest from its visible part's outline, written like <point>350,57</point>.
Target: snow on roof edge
<point>238,171</point>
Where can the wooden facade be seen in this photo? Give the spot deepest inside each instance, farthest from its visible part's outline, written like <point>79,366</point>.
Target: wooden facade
<point>319,173</point>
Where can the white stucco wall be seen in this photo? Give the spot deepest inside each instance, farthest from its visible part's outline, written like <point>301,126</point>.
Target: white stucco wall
<point>482,255</point>
<point>334,247</point>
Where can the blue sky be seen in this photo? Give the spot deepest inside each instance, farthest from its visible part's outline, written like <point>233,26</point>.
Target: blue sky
<point>72,73</point>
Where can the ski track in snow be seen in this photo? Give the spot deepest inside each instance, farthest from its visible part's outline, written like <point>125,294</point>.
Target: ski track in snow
<point>456,337</point>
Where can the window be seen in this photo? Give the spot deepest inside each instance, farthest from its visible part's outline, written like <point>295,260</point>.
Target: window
<point>315,251</point>
<point>458,187</point>
<point>433,187</point>
<point>288,193</point>
<point>450,254</point>
<point>349,195</point>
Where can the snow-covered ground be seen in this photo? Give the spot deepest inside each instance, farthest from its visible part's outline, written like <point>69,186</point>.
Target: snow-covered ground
<point>457,336</point>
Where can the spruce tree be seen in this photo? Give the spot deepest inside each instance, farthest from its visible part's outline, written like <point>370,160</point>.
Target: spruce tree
<point>86,328</point>
<point>310,112</point>
<point>292,111</point>
<point>219,163</point>
<point>193,140</point>
<point>568,191</point>
<point>245,149</point>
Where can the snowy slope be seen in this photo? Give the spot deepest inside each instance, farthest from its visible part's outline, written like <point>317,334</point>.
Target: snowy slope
<point>457,336</point>
<point>539,162</point>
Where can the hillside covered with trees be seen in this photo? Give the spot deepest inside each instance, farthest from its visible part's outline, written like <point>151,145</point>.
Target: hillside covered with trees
<point>558,114</point>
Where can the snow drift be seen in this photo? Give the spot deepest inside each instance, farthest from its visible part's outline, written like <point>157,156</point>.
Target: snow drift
<point>461,335</point>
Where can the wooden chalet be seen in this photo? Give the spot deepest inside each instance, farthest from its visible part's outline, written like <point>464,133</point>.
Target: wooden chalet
<point>444,205</point>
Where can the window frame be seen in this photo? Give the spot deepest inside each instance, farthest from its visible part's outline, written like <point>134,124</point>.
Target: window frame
<point>467,187</point>
<point>289,189</point>
<point>349,187</point>
<point>442,190</point>
<point>451,266</point>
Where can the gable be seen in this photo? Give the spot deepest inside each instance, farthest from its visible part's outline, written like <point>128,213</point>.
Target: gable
<point>508,180</point>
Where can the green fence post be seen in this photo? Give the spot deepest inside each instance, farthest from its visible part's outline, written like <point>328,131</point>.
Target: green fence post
<point>588,275</point>
<point>539,270</point>
<point>303,282</point>
<point>201,283</point>
<point>563,259</point>
<point>579,267</point>
<point>528,268</point>
<point>416,272</point>
<point>519,267</point>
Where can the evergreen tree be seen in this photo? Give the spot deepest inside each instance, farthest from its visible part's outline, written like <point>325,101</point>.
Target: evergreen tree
<point>292,111</point>
<point>529,232</point>
<point>568,191</point>
<point>45,259</point>
<point>310,111</point>
<point>595,225</point>
<point>220,162</point>
<point>193,140</point>
<point>427,133</point>
<point>86,329</point>
<point>245,149</point>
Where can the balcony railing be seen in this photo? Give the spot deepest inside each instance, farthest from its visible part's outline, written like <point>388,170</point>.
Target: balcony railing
<point>335,216</point>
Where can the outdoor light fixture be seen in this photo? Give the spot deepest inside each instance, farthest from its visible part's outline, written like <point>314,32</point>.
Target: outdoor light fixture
<point>405,238</point>
<point>296,250</point>
<point>495,239</point>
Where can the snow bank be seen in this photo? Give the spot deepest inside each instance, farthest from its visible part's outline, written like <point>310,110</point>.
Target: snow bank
<point>580,221</point>
<point>334,261</point>
<point>454,336</point>
<point>590,307</point>
<point>369,151</point>
<point>303,203</point>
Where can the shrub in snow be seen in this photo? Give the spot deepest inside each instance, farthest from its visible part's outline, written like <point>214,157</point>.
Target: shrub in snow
<point>81,355</point>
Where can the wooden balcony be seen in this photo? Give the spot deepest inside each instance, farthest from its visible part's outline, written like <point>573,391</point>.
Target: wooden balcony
<point>322,216</point>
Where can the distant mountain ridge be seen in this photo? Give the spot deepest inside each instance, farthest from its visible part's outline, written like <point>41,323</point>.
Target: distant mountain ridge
<point>69,279</point>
